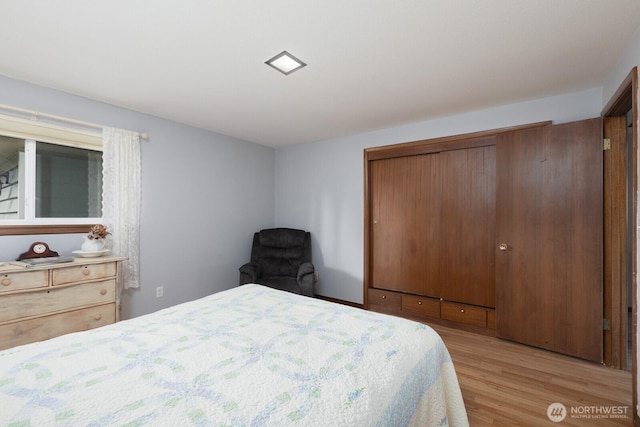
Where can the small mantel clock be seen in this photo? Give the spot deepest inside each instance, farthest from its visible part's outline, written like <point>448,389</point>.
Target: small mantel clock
<point>38,250</point>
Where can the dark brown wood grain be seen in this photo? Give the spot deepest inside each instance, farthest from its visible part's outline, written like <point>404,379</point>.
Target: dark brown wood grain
<point>464,314</point>
<point>385,301</point>
<point>452,142</point>
<point>549,213</point>
<point>429,307</point>
<point>615,246</point>
<point>405,224</point>
<point>16,230</point>
<point>467,225</point>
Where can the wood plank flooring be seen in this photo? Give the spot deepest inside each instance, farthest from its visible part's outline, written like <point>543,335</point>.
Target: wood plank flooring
<point>508,384</point>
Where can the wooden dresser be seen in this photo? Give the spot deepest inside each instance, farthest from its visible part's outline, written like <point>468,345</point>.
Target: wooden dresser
<point>38,303</point>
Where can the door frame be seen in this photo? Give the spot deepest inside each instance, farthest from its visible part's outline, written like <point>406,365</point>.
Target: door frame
<point>623,100</point>
<point>615,241</point>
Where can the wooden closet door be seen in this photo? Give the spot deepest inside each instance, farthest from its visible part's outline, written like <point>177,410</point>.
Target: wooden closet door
<point>467,245</point>
<point>549,214</point>
<point>405,206</point>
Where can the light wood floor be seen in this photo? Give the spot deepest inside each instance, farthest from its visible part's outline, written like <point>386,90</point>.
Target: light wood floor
<point>508,384</point>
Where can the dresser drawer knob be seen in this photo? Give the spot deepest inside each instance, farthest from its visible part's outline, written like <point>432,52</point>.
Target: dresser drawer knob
<point>97,316</point>
<point>6,281</point>
<point>419,302</point>
<point>86,271</point>
<point>462,310</point>
<point>103,291</point>
<point>384,297</point>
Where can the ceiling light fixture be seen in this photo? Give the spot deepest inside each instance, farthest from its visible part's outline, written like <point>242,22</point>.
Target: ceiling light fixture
<point>285,63</point>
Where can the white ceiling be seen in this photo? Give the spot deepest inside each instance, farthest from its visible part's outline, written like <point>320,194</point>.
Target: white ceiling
<point>371,63</point>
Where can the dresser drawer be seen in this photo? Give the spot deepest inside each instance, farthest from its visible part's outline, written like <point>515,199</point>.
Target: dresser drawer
<point>23,280</point>
<point>421,305</point>
<point>491,319</point>
<point>464,314</point>
<point>384,301</point>
<point>29,304</point>
<point>42,328</point>
<point>62,276</point>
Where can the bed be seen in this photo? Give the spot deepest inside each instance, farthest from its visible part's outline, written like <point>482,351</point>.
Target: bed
<point>248,356</point>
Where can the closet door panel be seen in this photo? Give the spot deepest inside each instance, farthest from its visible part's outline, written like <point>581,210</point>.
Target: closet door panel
<point>550,216</point>
<point>467,245</point>
<point>405,206</point>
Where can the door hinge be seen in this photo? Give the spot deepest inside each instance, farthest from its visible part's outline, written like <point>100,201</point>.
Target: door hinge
<point>606,324</point>
<point>606,144</point>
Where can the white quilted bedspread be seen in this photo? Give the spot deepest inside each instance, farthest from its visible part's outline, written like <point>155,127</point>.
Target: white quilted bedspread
<point>249,356</point>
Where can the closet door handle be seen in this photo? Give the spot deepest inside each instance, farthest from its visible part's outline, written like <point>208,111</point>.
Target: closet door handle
<point>503,246</point>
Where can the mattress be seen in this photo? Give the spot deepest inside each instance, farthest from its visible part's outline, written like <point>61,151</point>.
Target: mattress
<point>248,356</point>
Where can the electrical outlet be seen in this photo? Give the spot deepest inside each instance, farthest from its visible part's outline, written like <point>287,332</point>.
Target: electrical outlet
<point>159,291</point>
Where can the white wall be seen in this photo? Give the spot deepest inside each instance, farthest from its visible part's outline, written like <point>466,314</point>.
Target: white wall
<point>629,59</point>
<point>319,186</point>
<point>203,196</point>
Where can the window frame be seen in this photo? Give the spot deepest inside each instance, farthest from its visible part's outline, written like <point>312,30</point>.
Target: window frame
<point>39,131</point>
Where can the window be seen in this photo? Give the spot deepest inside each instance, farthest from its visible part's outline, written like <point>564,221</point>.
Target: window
<point>48,175</point>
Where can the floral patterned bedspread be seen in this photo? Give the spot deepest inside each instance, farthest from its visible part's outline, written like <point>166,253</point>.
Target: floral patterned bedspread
<point>248,356</point>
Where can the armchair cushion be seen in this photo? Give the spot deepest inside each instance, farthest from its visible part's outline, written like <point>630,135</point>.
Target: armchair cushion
<point>282,238</point>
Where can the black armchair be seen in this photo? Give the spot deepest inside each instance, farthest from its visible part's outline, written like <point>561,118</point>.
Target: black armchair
<point>281,259</point>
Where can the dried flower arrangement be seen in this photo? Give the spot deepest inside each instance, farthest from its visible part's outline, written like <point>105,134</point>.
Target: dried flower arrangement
<point>98,231</point>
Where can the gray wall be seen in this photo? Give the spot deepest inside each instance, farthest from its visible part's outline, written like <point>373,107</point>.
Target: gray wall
<point>203,195</point>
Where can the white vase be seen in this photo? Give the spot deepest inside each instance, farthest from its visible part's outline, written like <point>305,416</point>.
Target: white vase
<point>92,245</point>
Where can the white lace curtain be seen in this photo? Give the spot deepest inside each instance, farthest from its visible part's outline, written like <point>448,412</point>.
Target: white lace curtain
<point>121,176</point>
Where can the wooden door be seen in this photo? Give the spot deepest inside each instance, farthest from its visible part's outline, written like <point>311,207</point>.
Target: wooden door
<point>405,209</point>
<point>467,245</point>
<point>549,217</point>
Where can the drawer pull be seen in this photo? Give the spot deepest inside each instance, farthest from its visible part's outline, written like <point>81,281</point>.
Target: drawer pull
<point>419,302</point>
<point>462,310</point>
<point>384,297</point>
<point>103,291</point>
<point>86,271</point>
<point>6,281</point>
<point>97,317</point>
